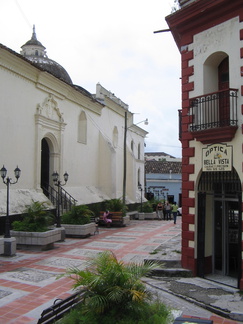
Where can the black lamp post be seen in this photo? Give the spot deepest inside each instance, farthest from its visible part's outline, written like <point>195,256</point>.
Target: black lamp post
<point>8,182</point>
<point>57,182</point>
<point>141,189</point>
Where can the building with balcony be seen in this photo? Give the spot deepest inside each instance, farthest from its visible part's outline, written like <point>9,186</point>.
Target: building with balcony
<point>209,36</point>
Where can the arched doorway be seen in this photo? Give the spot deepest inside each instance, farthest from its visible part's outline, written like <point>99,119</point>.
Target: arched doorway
<point>219,226</point>
<point>45,164</point>
<point>223,84</point>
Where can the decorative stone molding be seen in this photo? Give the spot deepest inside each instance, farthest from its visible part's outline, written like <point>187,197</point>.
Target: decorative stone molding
<point>49,109</point>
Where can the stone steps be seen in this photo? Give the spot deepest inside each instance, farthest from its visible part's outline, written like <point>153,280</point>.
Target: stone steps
<point>169,268</point>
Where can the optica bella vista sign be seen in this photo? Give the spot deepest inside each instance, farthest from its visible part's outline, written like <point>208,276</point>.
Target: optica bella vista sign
<point>217,157</point>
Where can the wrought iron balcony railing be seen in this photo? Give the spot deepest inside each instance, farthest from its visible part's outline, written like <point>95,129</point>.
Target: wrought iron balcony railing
<point>214,110</point>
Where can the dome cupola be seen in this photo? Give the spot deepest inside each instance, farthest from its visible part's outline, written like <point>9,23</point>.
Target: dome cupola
<point>35,52</point>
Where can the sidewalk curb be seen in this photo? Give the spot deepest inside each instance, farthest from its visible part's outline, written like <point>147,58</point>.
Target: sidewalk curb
<point>231,315</point>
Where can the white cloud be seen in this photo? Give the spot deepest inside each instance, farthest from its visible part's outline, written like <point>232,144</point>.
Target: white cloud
<point>111,42</point>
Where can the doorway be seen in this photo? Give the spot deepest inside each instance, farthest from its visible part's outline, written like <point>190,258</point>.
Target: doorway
<point>45,164</point>
<point>223,84</point>
<point>226,240</point>
<point>219,227</point>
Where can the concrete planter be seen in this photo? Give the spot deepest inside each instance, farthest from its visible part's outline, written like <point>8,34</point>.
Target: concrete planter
<point>126,220</point>
<point>38,241</point>
<point>79,230</point>
<point>141,216</point>
<point>150,215</point>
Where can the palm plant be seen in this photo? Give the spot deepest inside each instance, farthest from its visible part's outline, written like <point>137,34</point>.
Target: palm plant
<point>36,218</point>
<point>147,207</point>
<point>78,215</point>
<point>115,205</point>
<point>112,286</point>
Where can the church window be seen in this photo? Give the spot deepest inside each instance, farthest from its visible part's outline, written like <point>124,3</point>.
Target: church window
<point>82,128</point>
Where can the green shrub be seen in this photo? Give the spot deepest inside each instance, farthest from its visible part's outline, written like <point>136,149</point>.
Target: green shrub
<point>147,207</point>
<point>36,218</point>
<point>115,205</point>
<point>152,313</point>
<point>79,215</point>
<point>114,292</point>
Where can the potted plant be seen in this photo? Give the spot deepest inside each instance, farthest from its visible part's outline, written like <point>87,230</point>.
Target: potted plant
<point>79,222</point>
<point>148,211</point>
<point>118,211</point>
<point>114,293</point>
<point>34,230</point>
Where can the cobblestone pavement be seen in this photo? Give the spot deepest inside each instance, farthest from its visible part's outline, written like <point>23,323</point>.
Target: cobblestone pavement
<point>29,284</point>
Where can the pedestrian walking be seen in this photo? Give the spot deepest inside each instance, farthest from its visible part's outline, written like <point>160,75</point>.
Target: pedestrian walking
<point>174,209</point>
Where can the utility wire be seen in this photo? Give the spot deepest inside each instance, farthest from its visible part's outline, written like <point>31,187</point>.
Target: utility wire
<point>23,14</point>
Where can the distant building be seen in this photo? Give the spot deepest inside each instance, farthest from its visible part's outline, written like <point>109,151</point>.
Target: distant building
<point>163,179</point>
<point>160,156</point>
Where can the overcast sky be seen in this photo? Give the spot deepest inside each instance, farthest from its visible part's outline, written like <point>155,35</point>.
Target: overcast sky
<point>110,42</point>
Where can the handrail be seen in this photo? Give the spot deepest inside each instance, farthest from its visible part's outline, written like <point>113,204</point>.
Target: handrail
<point>66,201</point>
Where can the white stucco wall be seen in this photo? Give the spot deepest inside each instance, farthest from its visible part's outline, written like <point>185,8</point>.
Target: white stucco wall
<point>36,105</point>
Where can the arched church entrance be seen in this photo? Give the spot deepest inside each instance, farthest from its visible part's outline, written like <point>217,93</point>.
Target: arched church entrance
<point>45,164</point>
<point>219,227</point>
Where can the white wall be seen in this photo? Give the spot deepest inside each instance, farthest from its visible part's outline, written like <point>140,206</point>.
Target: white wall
<point>34,105</point>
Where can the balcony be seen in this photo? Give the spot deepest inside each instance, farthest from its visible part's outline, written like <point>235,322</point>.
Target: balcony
<point>214,116</point>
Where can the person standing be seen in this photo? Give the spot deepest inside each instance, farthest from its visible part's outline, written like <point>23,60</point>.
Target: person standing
<point>174,209</point>
<point>159,210</point>
<point>168,211</point>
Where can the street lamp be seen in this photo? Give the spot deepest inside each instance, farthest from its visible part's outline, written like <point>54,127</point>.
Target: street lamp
<point>141,189</point>
<point>125,155</point>
<point>8,182</point>
<point>57,182</point>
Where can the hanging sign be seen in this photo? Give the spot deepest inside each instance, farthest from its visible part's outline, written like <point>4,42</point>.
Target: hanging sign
<point>217,157</point>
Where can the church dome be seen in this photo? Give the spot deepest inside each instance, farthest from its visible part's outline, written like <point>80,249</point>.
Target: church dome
<point>35,52</point>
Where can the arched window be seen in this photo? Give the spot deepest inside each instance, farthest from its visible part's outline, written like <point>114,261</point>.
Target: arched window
<point>139,180</point>
<point>139,151</point>
<point>132,145</point>
<point>212,108</point>
<point>211,72</point>
<point>82,128</point>
<point>115,137</point>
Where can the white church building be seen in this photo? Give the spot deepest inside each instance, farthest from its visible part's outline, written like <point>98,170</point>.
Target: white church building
<point>48,125</point>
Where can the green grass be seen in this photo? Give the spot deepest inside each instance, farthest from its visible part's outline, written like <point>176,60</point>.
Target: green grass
<point>153,252</point>
<point>177,251</point>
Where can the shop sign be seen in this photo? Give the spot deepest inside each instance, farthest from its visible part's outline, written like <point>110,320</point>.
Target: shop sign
<point>217,157</point>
